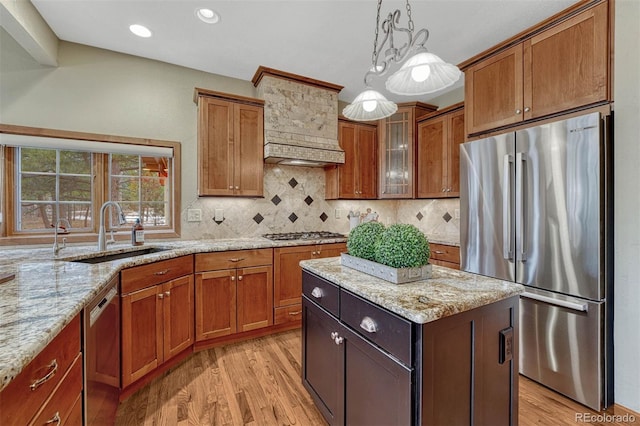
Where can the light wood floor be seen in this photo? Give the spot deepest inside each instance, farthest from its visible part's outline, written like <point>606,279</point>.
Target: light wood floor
<point>258,383</point>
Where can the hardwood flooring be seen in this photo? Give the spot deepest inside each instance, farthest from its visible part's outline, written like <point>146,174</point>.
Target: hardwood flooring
<point>257,382</point>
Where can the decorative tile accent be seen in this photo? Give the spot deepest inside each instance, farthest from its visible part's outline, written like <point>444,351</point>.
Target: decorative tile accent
<point>293,217</point>
<point>276,200</point>
<point>419,216</point>
<point>308,200</point>
<point>323,216</point>
<point>258,218</point>
<point>293,182</point>
<point>447,217</point>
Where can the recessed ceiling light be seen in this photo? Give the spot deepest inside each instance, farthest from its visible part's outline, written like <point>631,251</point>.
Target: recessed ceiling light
<point>140,30</point>
<point>207,15</point>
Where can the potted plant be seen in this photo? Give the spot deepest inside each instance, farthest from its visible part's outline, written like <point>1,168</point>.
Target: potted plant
<point>399,253</point>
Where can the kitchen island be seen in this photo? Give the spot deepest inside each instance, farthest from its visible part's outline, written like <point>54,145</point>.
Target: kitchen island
<point>438,351</point>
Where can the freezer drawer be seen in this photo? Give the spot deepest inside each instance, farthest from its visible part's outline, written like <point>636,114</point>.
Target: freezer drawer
<point>561,344</point>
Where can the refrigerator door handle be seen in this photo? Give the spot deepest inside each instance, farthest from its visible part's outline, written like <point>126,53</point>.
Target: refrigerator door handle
<point>582,307</point>
<point>507,228</point>
<point>521,161</point>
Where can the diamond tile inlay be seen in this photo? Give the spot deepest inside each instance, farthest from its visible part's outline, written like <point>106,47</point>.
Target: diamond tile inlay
<point>276,200</point>
<point>293,182</point>
<point>258,218</point>
<point>324,217</point>
<point>293,217</point>
<point>447,217</point>
<point>419,216</point>
<point>308,200</point>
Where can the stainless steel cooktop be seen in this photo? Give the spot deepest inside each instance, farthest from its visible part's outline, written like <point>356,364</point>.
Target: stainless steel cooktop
<point>312,235</point>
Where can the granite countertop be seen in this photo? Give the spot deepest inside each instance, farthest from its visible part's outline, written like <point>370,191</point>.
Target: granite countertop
<point>446,293</point>
<point>47,293</point>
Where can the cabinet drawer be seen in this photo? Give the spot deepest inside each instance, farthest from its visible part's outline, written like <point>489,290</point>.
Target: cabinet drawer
<point>233,259</point>
<point>286,314</point>
<point>322,292</point>
<point>52,362</point>
<point>445,253</point>
<point>61,403</point>
<point>379,326</point>
<point>139,277</point>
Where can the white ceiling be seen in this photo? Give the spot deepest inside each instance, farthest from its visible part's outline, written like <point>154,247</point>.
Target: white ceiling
<point>328,40</point>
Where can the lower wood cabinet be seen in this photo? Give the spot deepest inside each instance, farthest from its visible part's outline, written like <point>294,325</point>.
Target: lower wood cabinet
<point>49,388</point>
<point>157,324</point>
<point>445,255</point>
<point>233,300</point>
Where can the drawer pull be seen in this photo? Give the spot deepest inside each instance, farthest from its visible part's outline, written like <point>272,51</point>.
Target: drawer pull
<point>53,369</point>
<point>438,252</point>
<point>236,259</point>
<point>317,292</point>
<point>295,313</point>
<point>55,419</point>
<point>368,325</point>
<point>165,272</point>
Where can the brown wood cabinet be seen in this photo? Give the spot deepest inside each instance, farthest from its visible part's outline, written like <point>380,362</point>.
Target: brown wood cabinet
<point>157,321</point>
<point>234,292</point>
<point>397,141</point>
<point>287,286</point>
<point>556,67</point>
<point>49,387</point>
<point>445,255</point>
<point>230,144</point>
<point>357,177</point>
<point>438,153</point>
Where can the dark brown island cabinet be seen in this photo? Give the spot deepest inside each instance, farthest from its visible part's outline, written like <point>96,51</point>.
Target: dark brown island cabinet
<point>365,365</point>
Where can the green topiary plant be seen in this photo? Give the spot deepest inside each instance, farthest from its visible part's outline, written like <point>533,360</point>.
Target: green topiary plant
<point>402,246</point>
<point>362,239</point>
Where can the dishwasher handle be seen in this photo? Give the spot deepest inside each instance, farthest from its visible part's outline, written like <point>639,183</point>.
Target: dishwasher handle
<point>581,307</point>
<point>101,306</point>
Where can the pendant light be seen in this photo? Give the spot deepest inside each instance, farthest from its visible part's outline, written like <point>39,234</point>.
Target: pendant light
<point>422,73</point>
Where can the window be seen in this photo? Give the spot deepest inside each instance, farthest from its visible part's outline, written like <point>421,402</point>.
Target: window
<point>49,175</point>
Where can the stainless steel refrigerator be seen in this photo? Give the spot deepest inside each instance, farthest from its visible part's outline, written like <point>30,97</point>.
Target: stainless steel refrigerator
<point>535,209</point>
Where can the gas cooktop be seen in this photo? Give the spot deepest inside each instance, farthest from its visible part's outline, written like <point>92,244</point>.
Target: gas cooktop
<point>313,235</point>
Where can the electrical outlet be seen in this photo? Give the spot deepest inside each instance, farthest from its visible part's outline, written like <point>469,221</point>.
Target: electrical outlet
<point>194,215</point>
<point>218,215</point>
<point>456,214</point>
<point>338,214</point>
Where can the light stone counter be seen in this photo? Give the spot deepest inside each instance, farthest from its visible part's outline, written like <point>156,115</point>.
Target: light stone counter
<point>48,293</point>
<point>447,292</point>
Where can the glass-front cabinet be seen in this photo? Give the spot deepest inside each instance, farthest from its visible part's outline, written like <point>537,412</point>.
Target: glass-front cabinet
<point>397,135</point>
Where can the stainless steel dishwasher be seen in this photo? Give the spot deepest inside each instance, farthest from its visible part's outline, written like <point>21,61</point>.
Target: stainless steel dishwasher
<point>101,333</point>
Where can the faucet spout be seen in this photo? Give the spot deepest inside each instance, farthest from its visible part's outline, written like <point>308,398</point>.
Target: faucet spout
<point>102,238</point>
<point>57,225</point>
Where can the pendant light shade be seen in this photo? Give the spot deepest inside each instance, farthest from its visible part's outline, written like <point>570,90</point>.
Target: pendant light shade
<point>423,73</point>
<point>368,106</point>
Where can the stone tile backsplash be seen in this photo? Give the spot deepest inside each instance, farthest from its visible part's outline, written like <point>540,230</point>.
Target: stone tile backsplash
<point>294,202</point>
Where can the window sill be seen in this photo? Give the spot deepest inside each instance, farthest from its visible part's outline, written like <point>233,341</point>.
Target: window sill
<point>72,238</point>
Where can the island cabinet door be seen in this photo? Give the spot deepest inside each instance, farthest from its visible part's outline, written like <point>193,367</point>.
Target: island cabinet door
<point>378,388</point>
<point>323,362</point>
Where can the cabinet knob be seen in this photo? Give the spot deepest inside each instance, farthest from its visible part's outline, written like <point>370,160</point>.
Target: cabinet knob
<point>233,278</point>
<point>230,186</point>
<point>237,187</point>
<point>518,111</point>
<point>239,277</point>
<point>339,340</point>
<point>527,109</point>
<point>161,296</point>
<point>334,335</point>
<point>167,293</point>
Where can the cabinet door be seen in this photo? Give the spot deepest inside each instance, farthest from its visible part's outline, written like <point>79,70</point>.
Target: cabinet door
<point>215,304</point>
<point>493,91</point>
<point>396,154</point>
<point>141,329</point>
<point>567,65</point>
<point>432,158</point>
<point>248,149</point>
<point>215,147</point>
<point>456,137</point>
<point>347,136</point>
<point>178,316</point>
<point>288,275</point>
<point>367,162</point>
<point>255,297</point>
<point>323,362</point>
<point>330,250</point>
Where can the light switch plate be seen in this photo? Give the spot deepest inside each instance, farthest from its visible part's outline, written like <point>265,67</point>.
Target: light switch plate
<point>456,214</point>
<point>219,215</point>
<point>194,215</point>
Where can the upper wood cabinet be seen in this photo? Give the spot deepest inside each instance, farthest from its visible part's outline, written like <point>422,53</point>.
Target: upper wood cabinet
<point>438,153</point>
<point>357,177</point>
<point>556,67</point>
<point>397,135</point>
<point>230,144</point>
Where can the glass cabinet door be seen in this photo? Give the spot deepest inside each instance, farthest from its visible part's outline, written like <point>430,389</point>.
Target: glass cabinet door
<point>396,153</point>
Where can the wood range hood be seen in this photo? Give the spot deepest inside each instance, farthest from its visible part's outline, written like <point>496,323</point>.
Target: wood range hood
<point>300,119</point>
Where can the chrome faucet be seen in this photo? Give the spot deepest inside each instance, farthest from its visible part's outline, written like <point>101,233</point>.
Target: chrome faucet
<point>102,238</point>
<point>56,226</point>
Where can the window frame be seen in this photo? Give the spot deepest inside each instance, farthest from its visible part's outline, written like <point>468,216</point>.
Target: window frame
<point>11,236</point>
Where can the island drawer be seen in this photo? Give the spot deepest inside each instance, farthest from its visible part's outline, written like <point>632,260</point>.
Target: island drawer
<point>385,329</point>
<point>321,292</point>
<point>232,259</point>
<point>143,276</point>
<point>445,253</point>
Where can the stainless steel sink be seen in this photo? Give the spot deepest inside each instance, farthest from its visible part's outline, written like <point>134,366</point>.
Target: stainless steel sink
<point>121,255</point>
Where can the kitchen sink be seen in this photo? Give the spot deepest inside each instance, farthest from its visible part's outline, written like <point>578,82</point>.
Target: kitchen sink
<point>121,255</point>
